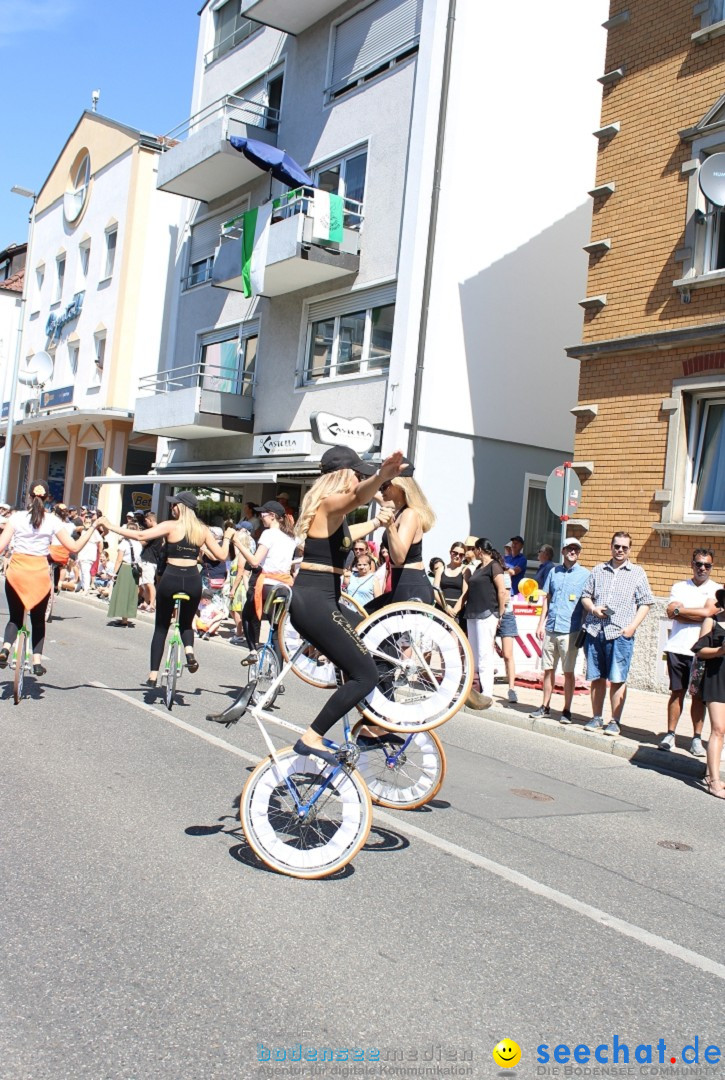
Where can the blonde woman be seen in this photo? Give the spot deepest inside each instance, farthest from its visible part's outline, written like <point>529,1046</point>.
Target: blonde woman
<point>412,518</point>
<point>346,483</point>
<point>185,534</point>
<point>243,545</point>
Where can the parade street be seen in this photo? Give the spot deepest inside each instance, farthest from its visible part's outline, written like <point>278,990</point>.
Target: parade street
<point>549,895</point>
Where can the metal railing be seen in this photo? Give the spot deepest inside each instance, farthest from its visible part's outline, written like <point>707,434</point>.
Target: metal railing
<point>241,29</point>
<point>229,107</point>
<point>218,378</point>
<point>298,201</point>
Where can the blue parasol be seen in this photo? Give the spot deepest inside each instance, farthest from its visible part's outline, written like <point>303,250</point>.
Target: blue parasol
<point>270,159</point>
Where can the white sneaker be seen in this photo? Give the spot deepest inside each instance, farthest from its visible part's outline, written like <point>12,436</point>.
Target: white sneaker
<point>513,697</point>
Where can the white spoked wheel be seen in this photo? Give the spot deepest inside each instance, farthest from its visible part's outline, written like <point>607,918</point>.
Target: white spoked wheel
<point>317,840</point>
<point>308,665</point>
<point>403,778</point>
<point>266,672</point>
<point>425,666</point>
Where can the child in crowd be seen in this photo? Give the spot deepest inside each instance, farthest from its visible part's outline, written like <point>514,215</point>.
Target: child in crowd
<point>211,614</point>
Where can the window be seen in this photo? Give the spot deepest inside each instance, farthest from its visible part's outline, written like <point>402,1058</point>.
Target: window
<point>73,351</point>
<point>94,467</point>
<point>353,343</point>
<point>371,41</point>
<point>230,30</point>
<point>705,493</point>
<point>59,277</point>
<point>204,240</point>
<point>84,253</point>
<point>77,188</point>
<point>346,177</point>
<point>5,270</point>
<point>99,341</point>
<point>274,102</point>
<point>538,525</point>
<point>228,360</point>
<point>714,12</point>
<point>111,237</point>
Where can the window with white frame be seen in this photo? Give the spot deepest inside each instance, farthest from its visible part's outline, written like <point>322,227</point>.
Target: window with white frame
<point>203,243</point>
<point>73,354</point>
<point>39,275</point>
<point>538,525</point>
<point>99,345</point>
<point>84,256</point>
<point>370,42</point>
<point>94,467</point>
<point>230,29</point>
<point>703,251</point>
<point>345,176</point>
<point>705,482</point>
<point>227,360</point>
<point>111,238</point>
<point>711,11</point>
<point>349,336</point>
<point>59,278</point>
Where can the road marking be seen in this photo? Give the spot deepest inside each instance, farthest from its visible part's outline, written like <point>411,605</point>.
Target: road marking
<point>537,888</point>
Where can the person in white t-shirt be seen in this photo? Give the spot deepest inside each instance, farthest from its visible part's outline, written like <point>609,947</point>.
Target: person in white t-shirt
<point>271,562</point>
<point>90,554</point>
<point>690,603</point>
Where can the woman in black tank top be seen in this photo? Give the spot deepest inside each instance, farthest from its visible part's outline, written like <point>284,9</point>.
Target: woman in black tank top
<point>452,580</point>
<point>346,483</point>
<point>413,517</point>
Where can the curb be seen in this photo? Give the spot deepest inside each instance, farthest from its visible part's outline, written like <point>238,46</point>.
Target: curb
<point>648,756</point>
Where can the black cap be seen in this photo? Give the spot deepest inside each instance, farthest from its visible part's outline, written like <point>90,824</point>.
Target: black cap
<point>186,498</point>
<point>519,538</point>
<point>343,457</point>
<point>408,468</point>
<point>273,507</point>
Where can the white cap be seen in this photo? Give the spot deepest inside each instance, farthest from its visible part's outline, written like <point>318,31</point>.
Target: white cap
<point>571,541</point>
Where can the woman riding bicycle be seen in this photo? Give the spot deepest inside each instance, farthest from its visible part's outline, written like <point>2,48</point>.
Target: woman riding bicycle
<point>27,582</point>
<point>270,563</point>
<point>412,518</point>
<point>346,483</point>
<point>185,534</point>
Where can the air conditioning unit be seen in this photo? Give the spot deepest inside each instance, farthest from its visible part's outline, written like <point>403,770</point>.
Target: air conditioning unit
<point>31,407</point>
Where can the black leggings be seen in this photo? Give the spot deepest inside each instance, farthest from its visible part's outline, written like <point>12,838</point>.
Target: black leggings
<point>251,624</point>
<point>175,579</point>
<point>407,585</point>
<point>16,615</point>
<point>316,616</point>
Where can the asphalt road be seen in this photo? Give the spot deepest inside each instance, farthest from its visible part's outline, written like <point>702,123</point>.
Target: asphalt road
<point>550,895</point>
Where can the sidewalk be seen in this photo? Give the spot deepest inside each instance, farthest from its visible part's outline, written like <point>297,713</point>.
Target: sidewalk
<point>644,722</point>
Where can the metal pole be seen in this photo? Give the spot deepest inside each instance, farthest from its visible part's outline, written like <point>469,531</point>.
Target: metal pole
<point>7,456</point>
<point>565,506</point>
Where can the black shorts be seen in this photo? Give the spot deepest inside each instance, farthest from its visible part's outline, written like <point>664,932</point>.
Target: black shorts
<point>679,669</point>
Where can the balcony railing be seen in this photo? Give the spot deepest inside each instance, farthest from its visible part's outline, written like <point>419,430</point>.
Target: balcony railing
<point>215,378</point>
<point>299,201</point>
<point>241,29</point>
<point>229,107</point>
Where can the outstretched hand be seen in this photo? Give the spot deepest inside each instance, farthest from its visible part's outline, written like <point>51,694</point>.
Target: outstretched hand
<point>392,466</point>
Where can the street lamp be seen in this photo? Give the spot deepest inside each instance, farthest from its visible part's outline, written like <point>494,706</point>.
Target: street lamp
<point>18,347</point>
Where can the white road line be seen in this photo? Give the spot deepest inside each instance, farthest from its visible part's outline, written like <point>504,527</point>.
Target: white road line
<point>398,821</point>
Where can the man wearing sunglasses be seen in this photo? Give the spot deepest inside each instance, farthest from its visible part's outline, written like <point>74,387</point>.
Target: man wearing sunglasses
<point>690,603</point>
<point>616,598</point>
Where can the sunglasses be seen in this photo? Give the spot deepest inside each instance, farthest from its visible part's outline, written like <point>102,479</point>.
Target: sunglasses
<point>702,565</point>
<point>461,553</point>
<point>621,547</point>
<point>385,485</point>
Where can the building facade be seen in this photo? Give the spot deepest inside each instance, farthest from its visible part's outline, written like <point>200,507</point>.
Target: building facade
<point>12,274</point>
<point>97,273</point>
<point>652,383</point>
<point>334,336</point>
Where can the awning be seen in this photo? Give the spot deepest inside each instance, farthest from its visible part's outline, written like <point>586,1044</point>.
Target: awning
<point>191,479</point>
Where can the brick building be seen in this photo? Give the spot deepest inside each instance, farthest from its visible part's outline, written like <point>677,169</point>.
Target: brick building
<point>650,440</point>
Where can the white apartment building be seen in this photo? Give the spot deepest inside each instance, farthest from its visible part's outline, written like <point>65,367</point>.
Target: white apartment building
<point>96,282</point>
<point>442,308</point>
<point>12,272</point>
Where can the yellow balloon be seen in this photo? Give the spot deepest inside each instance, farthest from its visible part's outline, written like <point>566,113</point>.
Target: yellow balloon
<point>507,1053</point>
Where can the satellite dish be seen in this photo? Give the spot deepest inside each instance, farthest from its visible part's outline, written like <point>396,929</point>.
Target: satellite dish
<point>712,179</point>
<point>38,369</point>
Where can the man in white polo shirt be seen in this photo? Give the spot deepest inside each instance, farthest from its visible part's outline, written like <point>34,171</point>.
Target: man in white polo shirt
<point>690,603</point>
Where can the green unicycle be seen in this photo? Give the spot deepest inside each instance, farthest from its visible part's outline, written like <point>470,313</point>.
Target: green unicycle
<point>174,654</point>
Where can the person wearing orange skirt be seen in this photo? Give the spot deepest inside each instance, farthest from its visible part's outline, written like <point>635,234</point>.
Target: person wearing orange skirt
<point>27,582</point>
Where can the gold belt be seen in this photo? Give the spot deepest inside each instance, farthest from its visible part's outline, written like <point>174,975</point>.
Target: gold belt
<point>321,568</point>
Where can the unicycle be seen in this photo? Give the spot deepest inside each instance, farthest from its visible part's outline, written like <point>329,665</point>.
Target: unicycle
<point>174,654</point>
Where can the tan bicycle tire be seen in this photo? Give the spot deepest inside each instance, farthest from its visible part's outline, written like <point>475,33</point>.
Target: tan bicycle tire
<point>429,795</point>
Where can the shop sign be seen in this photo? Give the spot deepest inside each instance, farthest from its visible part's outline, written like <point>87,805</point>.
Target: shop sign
<point>355,432</point>
<point>51,399</point>
<point>56,323</point>
<point>282,442</point>
<point>141,500</point>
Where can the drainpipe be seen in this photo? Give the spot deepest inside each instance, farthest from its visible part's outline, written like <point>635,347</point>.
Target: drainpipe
<point>432,226</point>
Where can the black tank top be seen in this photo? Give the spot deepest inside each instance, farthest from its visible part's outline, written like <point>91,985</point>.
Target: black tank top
<point>328,550</point>
<point>181,549</point>
<point>414,553</point>
<point>451,586</point>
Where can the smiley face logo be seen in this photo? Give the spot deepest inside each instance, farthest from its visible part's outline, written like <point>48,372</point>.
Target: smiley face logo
<point>507,1053</point>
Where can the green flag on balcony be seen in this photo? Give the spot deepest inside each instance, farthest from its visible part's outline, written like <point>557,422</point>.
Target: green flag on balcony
<point>327,218</point>
<point>255,241</point>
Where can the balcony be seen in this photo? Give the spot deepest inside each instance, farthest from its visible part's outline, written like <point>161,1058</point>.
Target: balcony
<point>296,256</point>
<point>292,18</point>
<point>195,401</point>
<point>200,163</point>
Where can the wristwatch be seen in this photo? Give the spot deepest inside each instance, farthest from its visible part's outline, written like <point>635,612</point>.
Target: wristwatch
<point>675,612</point>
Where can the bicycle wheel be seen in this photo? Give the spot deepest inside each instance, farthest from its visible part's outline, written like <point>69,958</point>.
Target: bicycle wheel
<point>21,646</point>
<point>425,666</point>
<point>403,778</point>
<point>51,599</point>
<point>307,666</point>
<point>323,839</point>
<point>267,671</point>
<point>172,671</point>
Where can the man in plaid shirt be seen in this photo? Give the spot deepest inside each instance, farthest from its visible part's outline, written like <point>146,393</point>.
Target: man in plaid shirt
<point>617,598</point>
